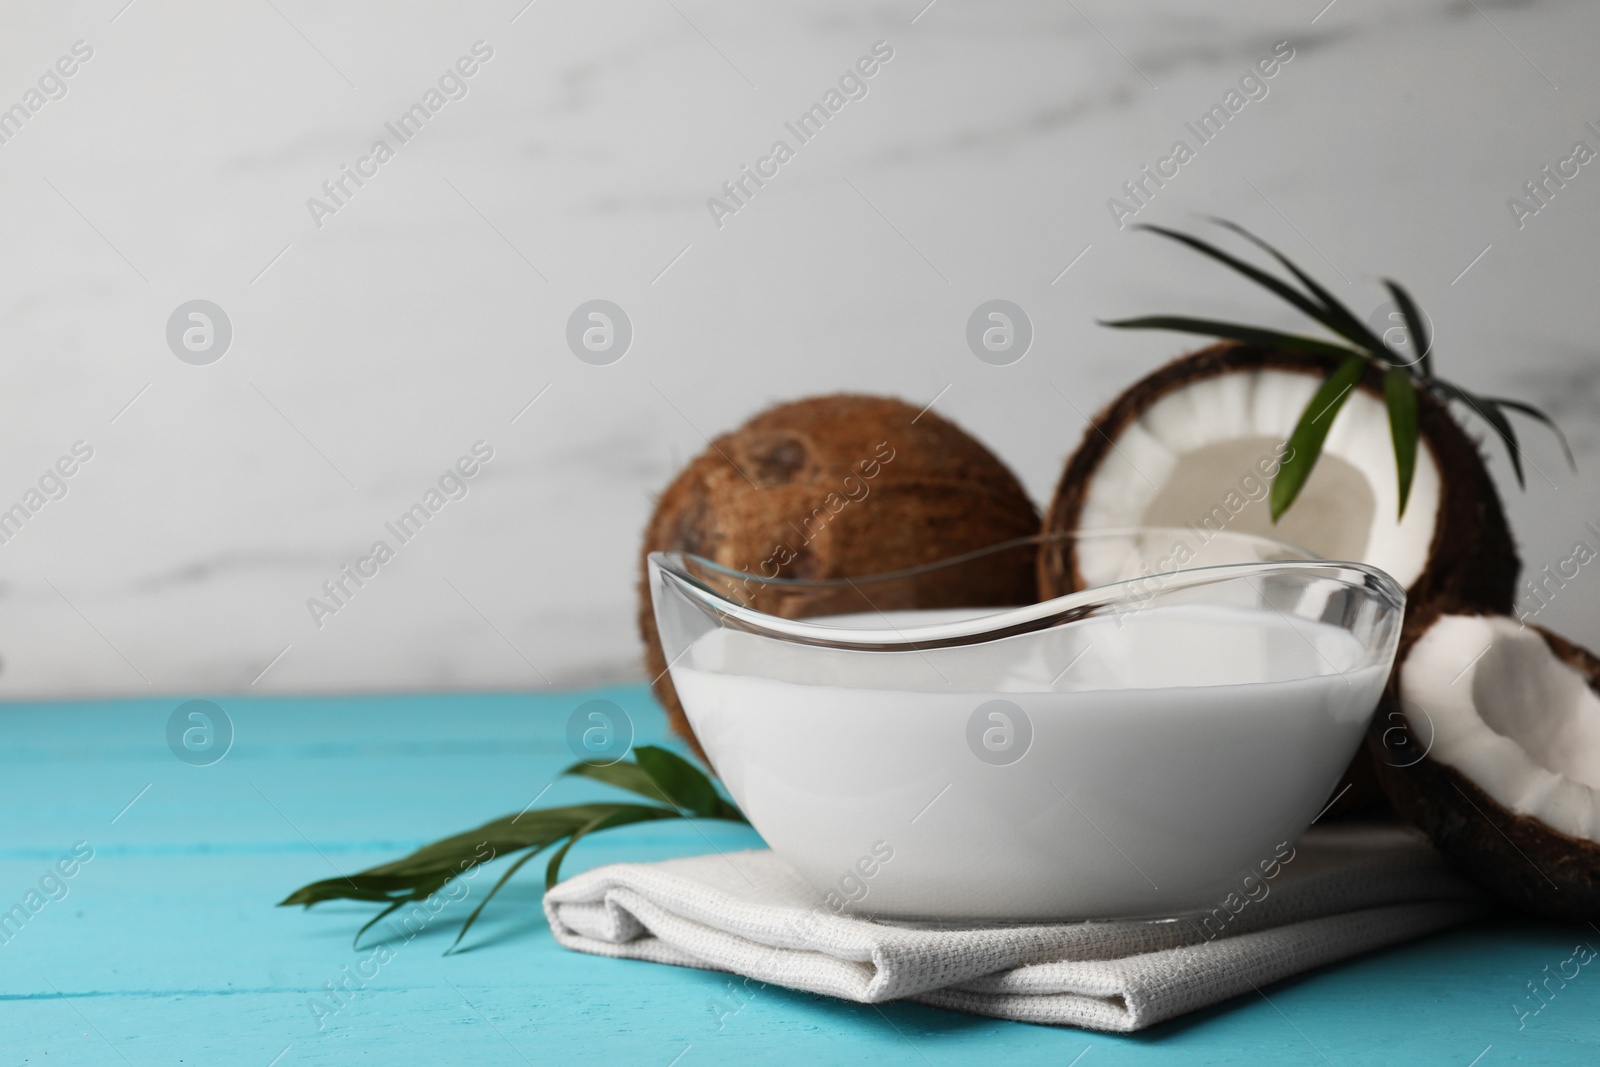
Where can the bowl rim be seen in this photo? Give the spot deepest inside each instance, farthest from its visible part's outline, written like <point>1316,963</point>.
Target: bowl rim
<point>1005,621</point>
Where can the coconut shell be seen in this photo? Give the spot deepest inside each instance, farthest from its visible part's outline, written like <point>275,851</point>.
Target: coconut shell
<point>1518,859</point>
<point>1472,559</point>
<point>772,496</point>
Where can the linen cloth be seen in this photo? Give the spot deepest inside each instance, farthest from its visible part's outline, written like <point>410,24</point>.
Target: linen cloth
<point>1345,891</point>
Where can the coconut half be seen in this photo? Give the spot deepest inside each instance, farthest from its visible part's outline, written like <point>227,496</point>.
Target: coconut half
<point>1195,446</point>
<point>1490,742</point>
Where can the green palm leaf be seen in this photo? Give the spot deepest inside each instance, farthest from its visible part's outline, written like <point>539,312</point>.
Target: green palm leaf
<point>682,790</point>
<point>1305,443</point>
<point>1534,413</point>
<point>1353,329</point>
<point>1260,336</point>
<point>1298,300</point>
<point>1401,379</point>
<point>1401,396</point>
<point>1490,412</point>
<point>1416,325</point>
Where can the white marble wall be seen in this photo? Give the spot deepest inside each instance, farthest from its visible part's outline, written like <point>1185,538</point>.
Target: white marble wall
<point>372,351</point>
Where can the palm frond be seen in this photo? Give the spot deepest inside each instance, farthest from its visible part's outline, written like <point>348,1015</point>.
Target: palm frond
<point>1402,378</point>
<point>681,790</point>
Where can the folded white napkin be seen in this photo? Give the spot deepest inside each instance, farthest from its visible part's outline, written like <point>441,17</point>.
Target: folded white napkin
<point>1341,892</point>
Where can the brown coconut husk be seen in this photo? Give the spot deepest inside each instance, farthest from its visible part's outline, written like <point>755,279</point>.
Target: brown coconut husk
<point>772,497</point>
<point>1472,559</point>
<point>1518,859</point>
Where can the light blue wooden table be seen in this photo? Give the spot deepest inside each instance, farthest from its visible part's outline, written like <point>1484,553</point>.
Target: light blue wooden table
<point>166,948</point>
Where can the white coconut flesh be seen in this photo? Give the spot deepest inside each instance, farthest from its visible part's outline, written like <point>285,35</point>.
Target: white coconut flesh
<point>1197,458</point>
<point>1510,716</point>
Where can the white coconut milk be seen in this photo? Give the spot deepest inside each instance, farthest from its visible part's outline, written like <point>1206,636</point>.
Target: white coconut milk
<point>1159,750</point>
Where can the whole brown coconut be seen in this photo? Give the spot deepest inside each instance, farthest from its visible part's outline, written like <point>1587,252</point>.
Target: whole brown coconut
<point>1517,856</point>
<point>1467,557</point>
<point>842,486</point>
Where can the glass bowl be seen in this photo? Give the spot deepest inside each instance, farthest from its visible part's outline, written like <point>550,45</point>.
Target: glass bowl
<point>1131,750</point>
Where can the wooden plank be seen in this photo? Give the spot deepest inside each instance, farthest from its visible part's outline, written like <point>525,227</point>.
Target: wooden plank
<point>166,946</point>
